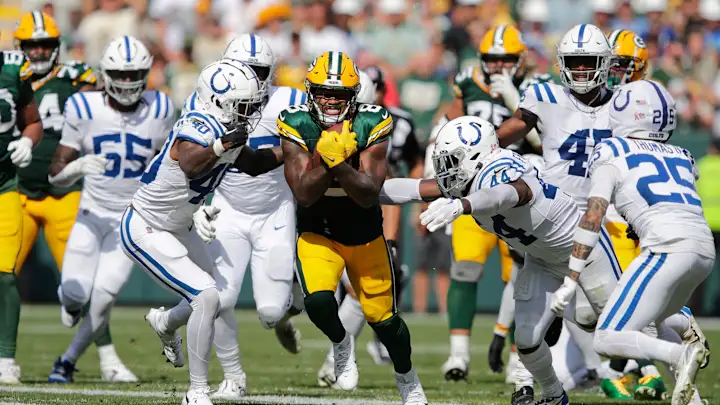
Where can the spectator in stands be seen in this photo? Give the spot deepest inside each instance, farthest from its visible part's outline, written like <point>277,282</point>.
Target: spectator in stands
<point>273,26</point>
<point>320,36</point>
<point>210,41</point>
<point>113,18</point>
<point>603,14</point>
<point>457,38</point>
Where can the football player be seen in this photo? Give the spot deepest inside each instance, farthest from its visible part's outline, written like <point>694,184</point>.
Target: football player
<point>252,220</point>
<point>508,196</point>
<point>44,205</point>
<point>675,239</point>
<point>18,110</point>
<point>491,92</point>
<point>108,139</point>
<point>335,176</point>
<point>157,228</point>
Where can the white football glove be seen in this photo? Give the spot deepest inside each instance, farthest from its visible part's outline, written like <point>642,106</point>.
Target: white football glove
<point>203,220</point>
<point>91,165</point>
<point>503,85</point>
<point>441,212</point>
<point>562,296</point>
<point>21,149</point>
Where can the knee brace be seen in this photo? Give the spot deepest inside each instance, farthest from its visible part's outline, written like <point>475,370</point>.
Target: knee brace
<point>466,271</point>
<point>270,316</point>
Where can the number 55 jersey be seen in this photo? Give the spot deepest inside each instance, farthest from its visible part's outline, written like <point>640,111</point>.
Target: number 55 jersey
<point>653,187</point>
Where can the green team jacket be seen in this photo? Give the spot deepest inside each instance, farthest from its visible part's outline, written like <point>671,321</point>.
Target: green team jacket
<point>51,93</point>
<point>335,215</point>
<point>15,92</point>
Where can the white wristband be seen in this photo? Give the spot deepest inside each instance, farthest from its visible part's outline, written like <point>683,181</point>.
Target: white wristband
<point>585,237</point>
<point>218,148</point>
<point>576,265</point>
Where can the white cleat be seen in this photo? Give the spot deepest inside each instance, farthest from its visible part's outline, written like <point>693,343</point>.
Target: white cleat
<point>346,372</point>
<point>411,391</point>
<point>686,371</point>
<point>9,372</point>
<point>326,374</point>
<point>197,396</point>
<point>456,368</point>
<point>695,333</point>
<point>288,336</point>
<point>511,369</point>
<point>68,319</point>
<point>117,372</point>
<point>171,342</point>
<point>231,390</point>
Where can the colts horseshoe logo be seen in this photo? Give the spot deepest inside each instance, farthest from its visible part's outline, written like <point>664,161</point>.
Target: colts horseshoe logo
<point>212,83</point>
<point>474,141</point>
<point>627,101</point>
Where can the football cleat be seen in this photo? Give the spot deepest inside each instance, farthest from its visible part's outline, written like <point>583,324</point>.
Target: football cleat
<point>686,371</point>
<point>231,390</point>
<point>69,319</point>
<point>197,396</point>
<point>562,399</point>
<point>346,372</point>
<point>616,388</point>
<point>650,388</point>
<point>117,372</point>
<point>523,396</point>
<point>411,391</point>
<point>62,372</point>
<point>288,336</point>
<point>697,333</point>
<point>326,374</point>
<point>9,372</point>
<point>456,368</point>
<point>171,342</point>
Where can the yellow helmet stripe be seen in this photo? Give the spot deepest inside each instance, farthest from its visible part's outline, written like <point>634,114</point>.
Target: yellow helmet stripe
<point>39,21</point>
<point>498,37</point>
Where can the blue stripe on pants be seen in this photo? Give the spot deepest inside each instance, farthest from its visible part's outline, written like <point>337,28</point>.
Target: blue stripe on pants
<point>641,289</point>
<point>625,292</point>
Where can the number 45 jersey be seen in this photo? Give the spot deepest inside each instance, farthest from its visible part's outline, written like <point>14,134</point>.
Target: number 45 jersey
<point>653,188</point>
<point>569,131</point>
<point>128,140</point>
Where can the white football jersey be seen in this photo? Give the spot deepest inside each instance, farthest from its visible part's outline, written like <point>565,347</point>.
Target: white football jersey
<point>569,131</point>
<point>128,140</point>
<point>542,228</point>
<point>654,190</point>
<point>167,198</point>
<point>266,192</point>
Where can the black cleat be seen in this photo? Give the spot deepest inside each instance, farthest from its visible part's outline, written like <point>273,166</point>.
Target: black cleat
<point>523,396</point>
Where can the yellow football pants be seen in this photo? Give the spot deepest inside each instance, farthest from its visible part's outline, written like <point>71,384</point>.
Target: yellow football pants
<point>56,216</point>
<point>11,218</point>
<point>626,249</point>
<point>472,243</point>
<point>321,262</point>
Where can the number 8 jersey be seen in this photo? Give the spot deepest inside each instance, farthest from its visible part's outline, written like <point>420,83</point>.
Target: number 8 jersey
<point>652,185</point>
<point>569,130</point>
<point>128,140</point>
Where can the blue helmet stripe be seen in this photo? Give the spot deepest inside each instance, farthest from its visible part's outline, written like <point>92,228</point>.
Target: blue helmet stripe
<point>252,45</point>
<point>127,47</point>
<point>664,105</point>
<point>580,35</point>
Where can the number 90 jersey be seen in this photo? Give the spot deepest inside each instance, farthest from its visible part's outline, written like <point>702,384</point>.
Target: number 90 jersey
<point>569,131</point>
<point>652,185</point>
<point>128,140</point>
<point>167,199</point>
<point>542,228</point>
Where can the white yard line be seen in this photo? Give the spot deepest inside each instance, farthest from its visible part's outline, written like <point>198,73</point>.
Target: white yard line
<point>250,399</point>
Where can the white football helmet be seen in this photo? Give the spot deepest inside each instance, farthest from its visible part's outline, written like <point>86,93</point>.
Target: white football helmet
<point>255,52</point>
<point>367,94</point>
<point>460,148</point>
<point>125,67</point>
<point>584,44</point>
<point>643,109</point>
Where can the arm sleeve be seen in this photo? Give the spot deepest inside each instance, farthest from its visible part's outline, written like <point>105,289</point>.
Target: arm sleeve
<point>492,201</point>
<point>400,191</point>
<point>603,181</point>
<point>72,127</point>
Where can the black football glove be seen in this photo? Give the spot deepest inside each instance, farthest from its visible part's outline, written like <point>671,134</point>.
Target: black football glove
<point>495,354</point>
<point>631,233</point>
<point>237,136</point>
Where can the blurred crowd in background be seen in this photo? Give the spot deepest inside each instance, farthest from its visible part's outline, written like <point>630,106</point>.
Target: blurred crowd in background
<point>419,44</point>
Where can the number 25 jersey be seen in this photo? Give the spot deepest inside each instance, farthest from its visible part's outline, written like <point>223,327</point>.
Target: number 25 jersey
<point>653,188</point>
<point>569,131</point>
<point>129,140</point>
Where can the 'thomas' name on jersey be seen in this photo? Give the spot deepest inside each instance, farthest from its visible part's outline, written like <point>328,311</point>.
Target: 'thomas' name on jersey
<point>167,198</point>
<point>128,140</point>
<point>569,131</point>
<point>653,188</point>
<point>266,192</point>
<point>542,228</point>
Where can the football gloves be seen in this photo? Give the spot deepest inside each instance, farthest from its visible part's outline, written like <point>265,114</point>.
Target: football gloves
<point>335,147</point>
<point>21,149</point>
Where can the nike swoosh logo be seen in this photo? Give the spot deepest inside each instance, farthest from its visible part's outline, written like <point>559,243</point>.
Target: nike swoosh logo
<point>330,159</point>
<point>385,114</point>
<point>279,227</point>
<point>282,117</point>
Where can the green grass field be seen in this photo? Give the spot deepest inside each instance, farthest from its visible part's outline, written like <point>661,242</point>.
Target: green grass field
<point>274,376</point>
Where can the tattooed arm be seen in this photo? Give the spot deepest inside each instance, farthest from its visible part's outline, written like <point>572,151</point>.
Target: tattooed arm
<point>590,223</point>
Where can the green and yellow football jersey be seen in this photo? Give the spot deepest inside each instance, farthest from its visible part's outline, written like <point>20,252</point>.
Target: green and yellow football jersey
<point>335,215</point>
<point>15,92</point>
<point>51,93</point>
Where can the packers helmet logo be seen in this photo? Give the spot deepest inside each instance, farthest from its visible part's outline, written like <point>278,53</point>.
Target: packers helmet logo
<point>312,65</point>
<point>639,42</point>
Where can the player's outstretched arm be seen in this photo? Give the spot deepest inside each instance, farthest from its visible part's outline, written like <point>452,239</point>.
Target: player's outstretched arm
<point>401,191</point>
<point>257,162</point>
<point>307,183</point>
<point>363,186</point>
<point>516,127</point>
